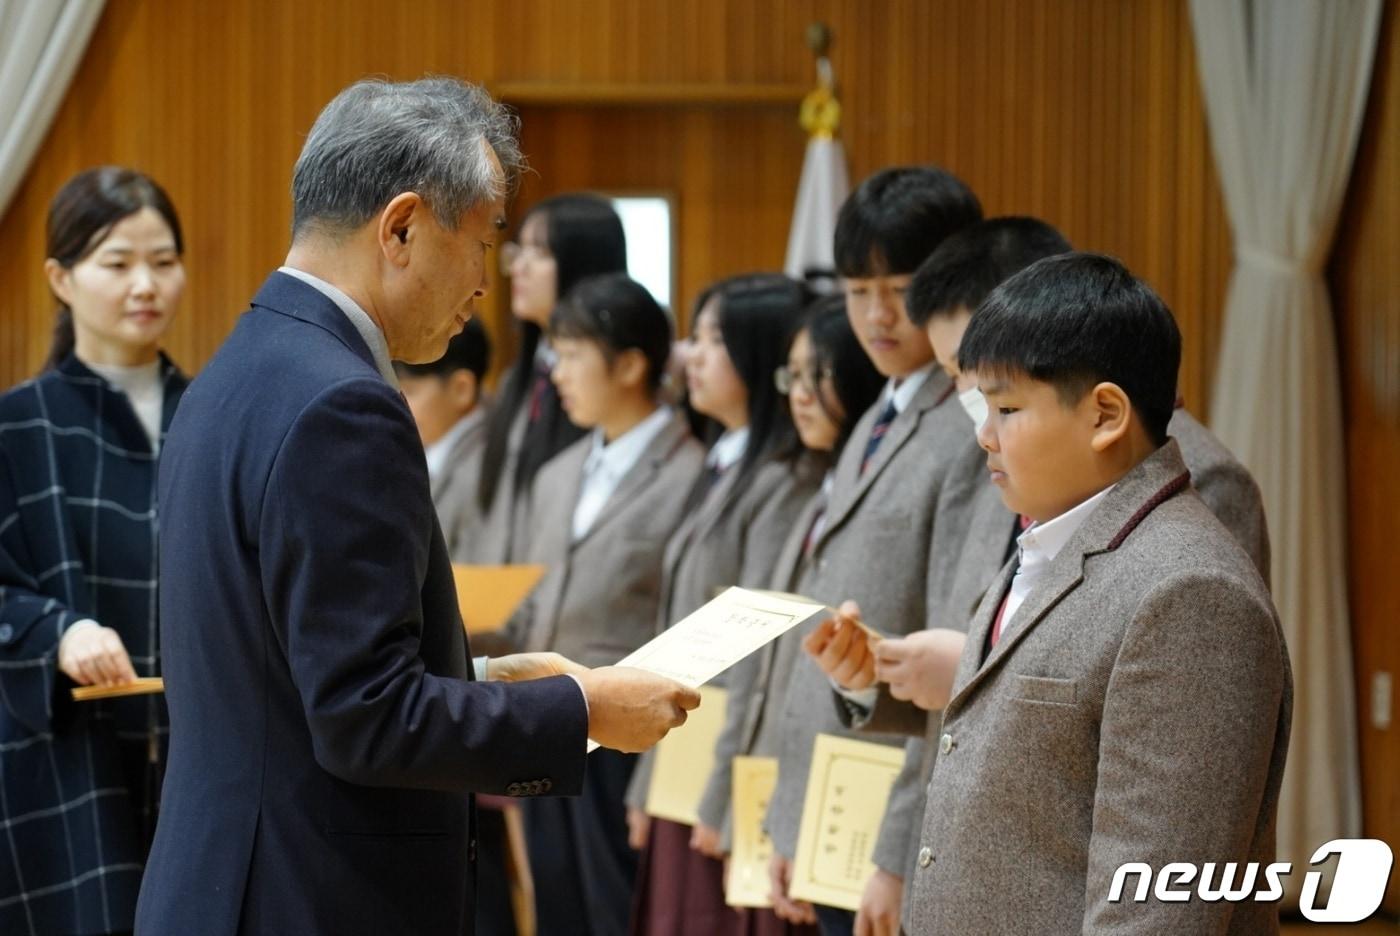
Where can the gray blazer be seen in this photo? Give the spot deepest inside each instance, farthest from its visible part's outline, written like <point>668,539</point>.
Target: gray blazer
<point>454,489</point>
<point>733,538</point>
<point>499,536</point>
<point>598,601</point>
<point>1223,484</point>
<point>875,548</point>
<point>1137,710</point>
<point>758,683</point>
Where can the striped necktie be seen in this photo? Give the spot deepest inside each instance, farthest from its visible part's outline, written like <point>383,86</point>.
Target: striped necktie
<point>877,434</point>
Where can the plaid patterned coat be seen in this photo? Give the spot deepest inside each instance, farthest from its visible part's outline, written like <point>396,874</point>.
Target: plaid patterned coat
<point>78,781</point>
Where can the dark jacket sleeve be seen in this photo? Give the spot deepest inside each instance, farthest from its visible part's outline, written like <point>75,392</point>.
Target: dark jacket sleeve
<point>344,538</point>
<point>31,623</point>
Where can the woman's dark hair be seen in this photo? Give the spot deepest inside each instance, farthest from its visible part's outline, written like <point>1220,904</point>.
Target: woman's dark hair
<point>584,235</point>
<point>756,315</point>
<point>81,216</point>
<point>836,350</point>
<point>616,313</point>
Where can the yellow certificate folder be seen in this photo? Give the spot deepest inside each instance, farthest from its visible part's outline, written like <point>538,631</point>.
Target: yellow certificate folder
<point>846,795</point>
<point>684,759</point>
<point>489,594</point>
<point>755,778</point>
<point>144,685</point>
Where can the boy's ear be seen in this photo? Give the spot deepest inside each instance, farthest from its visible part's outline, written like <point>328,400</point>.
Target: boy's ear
<point>462,388</point>
<point>630,367</point>
<point>1112,413</point>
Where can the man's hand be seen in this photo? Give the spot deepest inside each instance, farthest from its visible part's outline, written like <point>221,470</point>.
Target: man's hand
<point>842,649</point>
<point>879,905</point>
<point>518,667</point>
<point>920,667</point>
<point>638,828</point>
<point>796,912</point>
<point>705,840</point>
<point>629,710</point>
<point>93,655</point>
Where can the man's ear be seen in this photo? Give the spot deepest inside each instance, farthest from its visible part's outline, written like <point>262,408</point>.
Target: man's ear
<point>58,277</point>
<point>1112,413</point>
<point>397,228</point>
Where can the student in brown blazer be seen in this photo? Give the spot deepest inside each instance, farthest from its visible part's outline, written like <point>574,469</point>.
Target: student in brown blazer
<point>450,412</point>
<point>739,515</point>
<point>562,240</point>
<point>600,513</point>
<point>829,382</point>
<point>945,290</point>
<point>1124,694</point>
<point>872,543</point>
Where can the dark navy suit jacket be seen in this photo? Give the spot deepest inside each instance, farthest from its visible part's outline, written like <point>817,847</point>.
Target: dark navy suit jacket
<point>325,728</point>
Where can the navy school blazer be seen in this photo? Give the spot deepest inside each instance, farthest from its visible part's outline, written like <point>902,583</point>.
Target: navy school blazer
<point>325,729</point>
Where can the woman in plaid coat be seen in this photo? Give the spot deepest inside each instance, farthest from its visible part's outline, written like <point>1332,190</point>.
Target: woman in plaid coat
<point>79,781</point>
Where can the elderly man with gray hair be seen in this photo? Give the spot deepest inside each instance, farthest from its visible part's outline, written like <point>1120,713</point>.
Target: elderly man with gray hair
<point>328,724</point>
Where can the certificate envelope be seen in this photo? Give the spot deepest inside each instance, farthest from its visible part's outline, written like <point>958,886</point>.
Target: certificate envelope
<point>746,885</point>
<point>846,795</point>
<point>684,759</point>
<point>721,633</point>
<point>489,594</point>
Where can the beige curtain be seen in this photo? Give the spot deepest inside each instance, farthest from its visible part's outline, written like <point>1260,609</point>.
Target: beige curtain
<point>41,43</point>
<point>1285,85</point>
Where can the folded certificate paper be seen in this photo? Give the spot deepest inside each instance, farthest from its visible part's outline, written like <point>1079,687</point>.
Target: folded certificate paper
<point>489,595</point>
<point>846,795</point>
<point>746,884</point>
<point>684,759</point>
<point>720,634</point>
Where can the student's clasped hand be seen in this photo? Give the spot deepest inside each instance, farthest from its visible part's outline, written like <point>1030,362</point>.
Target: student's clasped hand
<point>842,648</point>
<point>920,667</point>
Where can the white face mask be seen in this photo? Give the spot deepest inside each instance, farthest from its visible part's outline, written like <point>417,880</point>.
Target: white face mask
<point>975,405</point>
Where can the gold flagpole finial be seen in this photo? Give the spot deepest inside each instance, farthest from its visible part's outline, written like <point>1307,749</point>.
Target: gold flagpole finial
<point>820,115</point>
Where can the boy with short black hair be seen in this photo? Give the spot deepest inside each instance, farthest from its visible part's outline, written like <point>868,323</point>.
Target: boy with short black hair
<point>1124,693</point>
<point>446,400</point>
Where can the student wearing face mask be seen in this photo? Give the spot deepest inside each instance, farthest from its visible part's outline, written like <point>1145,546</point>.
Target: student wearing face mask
<point>737,517</point>
<point>78,450</point>
<point>562,240</point>
<point>600,514</point>
<point>829,382</point>
<point>914,673</point>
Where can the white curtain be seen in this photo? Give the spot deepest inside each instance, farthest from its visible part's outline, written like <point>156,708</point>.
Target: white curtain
<point>1285,84</point>
<point>41,43</point>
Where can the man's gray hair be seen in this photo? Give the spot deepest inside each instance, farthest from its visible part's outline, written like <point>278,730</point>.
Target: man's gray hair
<point>379,139</point>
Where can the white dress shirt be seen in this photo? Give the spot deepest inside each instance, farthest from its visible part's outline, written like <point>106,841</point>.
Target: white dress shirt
<point>1039,545</point>
<point>378,344</point>
<point>730,448</point>
<point>608,463</point>
<point>437,453</point>
<point>901,390</point>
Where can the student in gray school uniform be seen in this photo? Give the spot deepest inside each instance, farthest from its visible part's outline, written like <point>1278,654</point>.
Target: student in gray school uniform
<point>562,240</point>
<point>738,516</point>
<point>872,543</point>
<point>446,398</point>
<point>600,514</point>
<point>829,382</point>
<point>919,668</point>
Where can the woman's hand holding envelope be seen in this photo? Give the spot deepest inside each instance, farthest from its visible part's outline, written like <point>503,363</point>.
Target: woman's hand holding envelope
<point>842,646</point>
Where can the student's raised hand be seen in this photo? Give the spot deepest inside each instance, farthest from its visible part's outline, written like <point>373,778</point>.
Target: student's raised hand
<point>638,828</point>
<point>842,648</point>
<point>920,667</point>
<point>518,667</point>
<point>629,710</point>
<point>93,655</point>
<point>705,840</point>
<point>797,912</point>
<point>880,905</point>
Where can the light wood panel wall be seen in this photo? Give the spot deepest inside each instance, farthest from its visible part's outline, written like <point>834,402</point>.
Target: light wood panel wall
<point>1084,112</point>
<point>1366,289</point>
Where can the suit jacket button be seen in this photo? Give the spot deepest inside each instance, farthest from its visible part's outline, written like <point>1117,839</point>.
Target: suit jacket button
<point>945,743</point>
<point>6,632</point>
<point>926,854</point>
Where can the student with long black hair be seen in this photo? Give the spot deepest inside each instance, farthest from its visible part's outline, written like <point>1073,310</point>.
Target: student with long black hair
<point>562,240</point>
<point>600,515</point>
<point>79,782</point>
<point>739,515</point>
<point>829,382</point>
